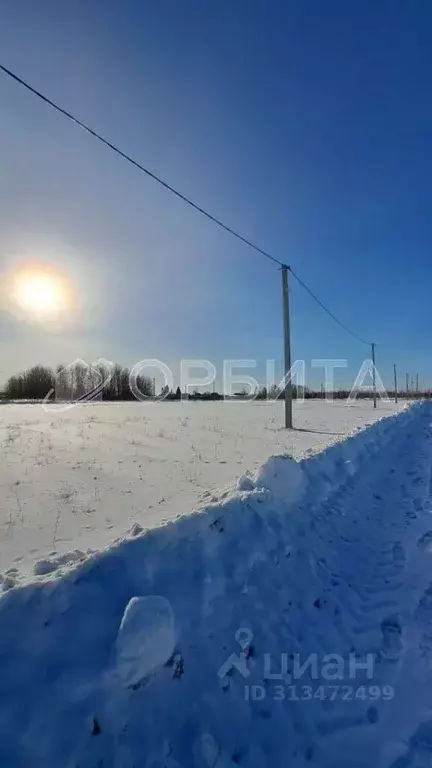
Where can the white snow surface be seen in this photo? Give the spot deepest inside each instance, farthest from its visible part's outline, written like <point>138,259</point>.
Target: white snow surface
<point>161,651</point>
<point>80,479</point>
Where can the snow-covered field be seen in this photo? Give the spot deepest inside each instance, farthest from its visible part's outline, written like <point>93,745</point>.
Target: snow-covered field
<point>288,624</point>
<point>82,478</point>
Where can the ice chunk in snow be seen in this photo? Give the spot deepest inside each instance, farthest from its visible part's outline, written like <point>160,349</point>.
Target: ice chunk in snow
<point>136,530</point>
<point>146,637</point>
<point>43,567</point>
<point>283,476</point>
<point>245,482</point>
<point>49,565</point>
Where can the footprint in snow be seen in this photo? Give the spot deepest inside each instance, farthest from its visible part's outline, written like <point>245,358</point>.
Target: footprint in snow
<point>423,617</point>
<point>425,542</point>
<point>419,750</point>
<point>391,644</point>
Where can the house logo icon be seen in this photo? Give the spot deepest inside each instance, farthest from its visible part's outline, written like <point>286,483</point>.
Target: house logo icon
<point>79,383</point>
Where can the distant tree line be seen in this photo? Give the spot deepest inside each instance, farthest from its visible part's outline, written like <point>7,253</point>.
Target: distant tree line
<point>167,394</point>
<point>276,393</point>
<point>74,382</point>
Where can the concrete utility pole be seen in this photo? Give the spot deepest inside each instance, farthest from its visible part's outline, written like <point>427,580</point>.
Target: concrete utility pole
<point>287,348</point>
<point>374,376</point>
<point>407,382</point>
<point>395,383</point>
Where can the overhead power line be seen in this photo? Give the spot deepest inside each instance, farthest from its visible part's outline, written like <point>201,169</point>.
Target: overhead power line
<point>174,191</point>
<point>318,301</point>
<point>137,165</point>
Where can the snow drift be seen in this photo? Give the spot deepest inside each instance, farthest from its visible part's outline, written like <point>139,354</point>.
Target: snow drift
<point>147,653</point>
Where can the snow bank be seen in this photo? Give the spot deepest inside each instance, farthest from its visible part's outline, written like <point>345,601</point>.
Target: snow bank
<point>312,478</point>
<point>284,477</point>
<point>140,654</point>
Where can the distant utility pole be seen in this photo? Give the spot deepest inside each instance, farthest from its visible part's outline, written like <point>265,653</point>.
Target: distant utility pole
<point>395,383</point>
<point>287,348</point>
<point>417,383</point>
<point>374,376</point>
<point>407,383</point>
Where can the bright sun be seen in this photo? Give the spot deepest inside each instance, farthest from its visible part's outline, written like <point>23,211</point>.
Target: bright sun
<point>40,291</point>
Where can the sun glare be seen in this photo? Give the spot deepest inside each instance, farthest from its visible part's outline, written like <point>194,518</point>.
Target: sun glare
<point>41,292</point>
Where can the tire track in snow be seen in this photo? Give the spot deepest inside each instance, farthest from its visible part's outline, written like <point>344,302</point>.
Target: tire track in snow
<point>380,614</point>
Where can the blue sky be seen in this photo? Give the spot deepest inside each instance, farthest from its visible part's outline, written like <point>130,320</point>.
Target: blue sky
<point>305,125</point>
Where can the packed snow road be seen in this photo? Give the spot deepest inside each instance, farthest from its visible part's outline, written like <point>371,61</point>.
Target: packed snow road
<point>373,547</point>
<point>288,625</point>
